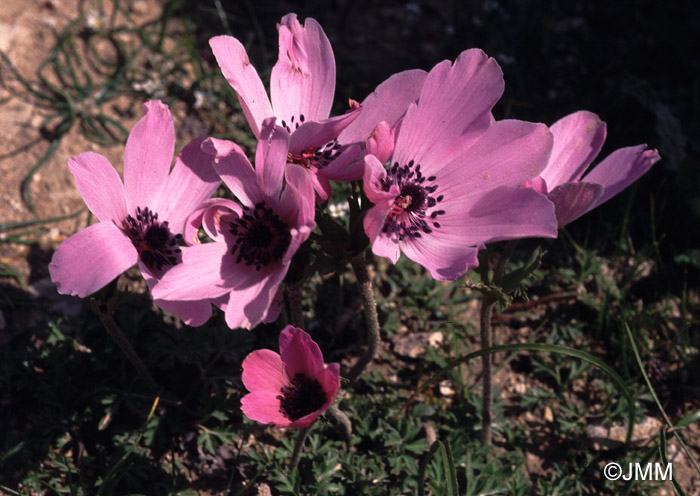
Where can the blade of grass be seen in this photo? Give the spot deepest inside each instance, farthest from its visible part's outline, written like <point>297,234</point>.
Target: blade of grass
<point>658,403</point>
<point>547,348</point>
<point>663,452</point>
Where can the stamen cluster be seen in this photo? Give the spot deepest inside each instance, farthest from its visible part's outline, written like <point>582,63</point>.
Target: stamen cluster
<point>303,396</point>
<point>262,237</point>
<point>157,246</point>
<point>408,214</point>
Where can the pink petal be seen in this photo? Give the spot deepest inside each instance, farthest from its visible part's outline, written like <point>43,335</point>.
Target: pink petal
<point>330,382</point>
<point>571,200</point>
<point>509,153</point>
<point>504,213</point>
<point>388,102</point>
<point>445,261</point>
<point>249,304</point>
<point>348,166</point>
<point>373,175</point>
<point>297,206</point>
<point>382,245</point>
<point>100,186</point>
<point>381,142</point>
<point>454,107</point>
<point>536,183</point>
<point>264,407</point>
<point>91,258</point>
<point>302,81</point>
<point>300,354</point>
<point>192,313</point>
<point>148,155</point>
<point>208,215</point>
<point>307,420</point>
<point>578,138</point>
<point>206,272</point>
<point>243,78</point>
<point>620,169</point>
<point>263,370</point>
<point>275,308</point>
<point>192,180</point>
<point>317,133</point>
<point>271,158</point>
<point>234,169</point>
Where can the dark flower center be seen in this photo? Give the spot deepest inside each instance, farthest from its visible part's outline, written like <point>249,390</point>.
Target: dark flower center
<point>157,246</point>
<point>261,236</point>
<point>316,158</point>
<point>303,396</point>
<point>415,206</point>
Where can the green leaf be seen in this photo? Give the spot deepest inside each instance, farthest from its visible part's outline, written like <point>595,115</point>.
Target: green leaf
<point>548,348</point>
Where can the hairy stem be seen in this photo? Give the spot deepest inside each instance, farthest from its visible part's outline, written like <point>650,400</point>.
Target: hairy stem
<point>296,310</point>
<point>371,319</point>
<point>299,446</point>
<point>487,304</point>
<point>119,338</point>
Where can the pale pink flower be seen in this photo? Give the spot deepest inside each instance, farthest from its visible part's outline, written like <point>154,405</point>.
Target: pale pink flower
<point>452,185</point>
<point>254,240</point>
<point>290,389</point>
<point>302,87</point>
<point>141,220</point>
<point>578,138</point>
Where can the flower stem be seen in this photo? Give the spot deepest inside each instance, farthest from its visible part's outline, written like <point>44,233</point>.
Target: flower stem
<point>371,319</point>
<point>119,338</point>
<point>299,446</point>
<point>487,304</point>
<point>296,310</point>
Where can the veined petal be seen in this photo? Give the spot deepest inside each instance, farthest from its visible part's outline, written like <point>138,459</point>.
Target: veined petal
<point>381,142</point>
<point>192,313</point>
<point>454,108</point>
<point>243,78</point>
<point>571,200</point>
<point>508,154</point>
<point>302,81</point>
<point>264,407</point>
<point>504,213</point>
<point>234,169</point>
<point>208,215</point>
<point>271,158</point>
<point>91,258</point>
<point>148,155</point>
<point>374,174</point>
<point>317,133</point>
<point>297,201</point>
<point>578,138</point>
<point>446,261</point>
<point>248,305</point>
<point>192,180</point>
<point>100,186</point>
<point>620,169</point>
<point>263,370</point>
<point>388,103</point>
<point>300,354</point>
<point>206,271</point>
<point>382,244</point>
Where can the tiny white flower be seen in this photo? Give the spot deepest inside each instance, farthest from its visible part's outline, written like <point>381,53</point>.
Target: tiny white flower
<point>338,210</point>
<point>204,99</point>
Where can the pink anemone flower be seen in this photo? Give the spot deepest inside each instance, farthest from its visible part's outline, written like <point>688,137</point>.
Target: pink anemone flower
<point>254,241</point>
<point>302,88</point>
<point>578,138</point>
<point>290,389</point>
<point>141,220</point>
<point>452,185</point>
